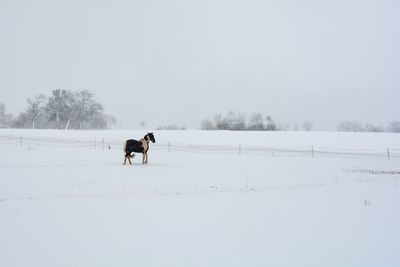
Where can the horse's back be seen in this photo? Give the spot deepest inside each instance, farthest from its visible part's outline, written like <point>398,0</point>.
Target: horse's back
<point>133,145</point>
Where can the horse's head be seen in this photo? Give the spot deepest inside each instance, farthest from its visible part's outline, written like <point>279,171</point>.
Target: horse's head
<point>151,137</point>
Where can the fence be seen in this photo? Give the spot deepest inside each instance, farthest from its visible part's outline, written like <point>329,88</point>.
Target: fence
<point>311,151</point>
<point>107,144</point>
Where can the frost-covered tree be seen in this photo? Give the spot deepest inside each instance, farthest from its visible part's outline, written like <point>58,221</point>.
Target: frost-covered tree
<point>61,106</point>
<point>235,122</point>
<point>64,109</point>
<point>256,122</point>
<point>83,101</point>
<point>220,123</point>
<point>232,121</point>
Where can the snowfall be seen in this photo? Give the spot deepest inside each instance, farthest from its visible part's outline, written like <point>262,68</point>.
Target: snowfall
<point>205,198</point>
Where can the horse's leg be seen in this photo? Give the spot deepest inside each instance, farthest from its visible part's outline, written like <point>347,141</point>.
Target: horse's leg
<point>129,159</point>
<point>125,160</point>
<point>144,155</point>
<point>147,157</point>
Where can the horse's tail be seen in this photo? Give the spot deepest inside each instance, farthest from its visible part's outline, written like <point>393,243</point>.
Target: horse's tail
<point>125,146</point>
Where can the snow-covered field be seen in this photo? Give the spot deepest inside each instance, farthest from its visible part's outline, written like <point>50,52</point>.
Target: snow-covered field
<point>67,200</point>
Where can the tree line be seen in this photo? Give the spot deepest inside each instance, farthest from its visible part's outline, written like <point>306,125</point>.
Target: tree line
<point>63,109</point>
<point>256,122</point>
<point>354,126</point>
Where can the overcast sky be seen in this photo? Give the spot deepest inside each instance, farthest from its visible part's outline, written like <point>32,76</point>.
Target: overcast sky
<point>183,61</point>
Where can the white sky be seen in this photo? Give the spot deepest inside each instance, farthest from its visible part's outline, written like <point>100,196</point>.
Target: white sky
<point>183,61</point>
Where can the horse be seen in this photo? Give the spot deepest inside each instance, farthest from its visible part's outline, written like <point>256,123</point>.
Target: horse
<point>141,146</point>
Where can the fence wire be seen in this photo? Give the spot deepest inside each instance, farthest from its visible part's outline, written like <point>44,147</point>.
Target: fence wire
<point>105,144</point>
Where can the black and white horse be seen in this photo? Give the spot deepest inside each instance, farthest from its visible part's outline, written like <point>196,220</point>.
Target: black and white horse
<point>141,146</point>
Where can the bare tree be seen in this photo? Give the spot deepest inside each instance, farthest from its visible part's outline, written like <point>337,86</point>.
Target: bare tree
<point>235,122</point>
<point>35,108</point>
<point>271,125</point>
<point>85,108</point>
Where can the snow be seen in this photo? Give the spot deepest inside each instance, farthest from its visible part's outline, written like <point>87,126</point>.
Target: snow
<point>66,202</point>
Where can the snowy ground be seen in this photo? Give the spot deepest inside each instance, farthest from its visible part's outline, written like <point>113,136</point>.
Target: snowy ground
<point>65,202</point>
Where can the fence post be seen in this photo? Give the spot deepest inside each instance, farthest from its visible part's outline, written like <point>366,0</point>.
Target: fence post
<point>240,149</point>
<point>169,147</point>
<point>388,154</point>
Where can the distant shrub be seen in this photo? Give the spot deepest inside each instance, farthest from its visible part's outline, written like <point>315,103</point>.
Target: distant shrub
<point>171,127</point>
